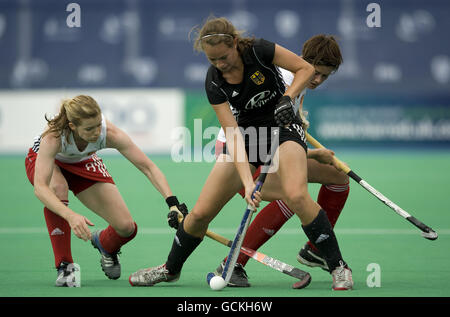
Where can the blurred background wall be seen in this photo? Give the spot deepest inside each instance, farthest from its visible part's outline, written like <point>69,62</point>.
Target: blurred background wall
<point>137,59</point>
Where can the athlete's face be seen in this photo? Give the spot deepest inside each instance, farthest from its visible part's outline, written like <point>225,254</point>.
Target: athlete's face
<point>89,129</point>
<point>222,56</point>
<point>320,75</point>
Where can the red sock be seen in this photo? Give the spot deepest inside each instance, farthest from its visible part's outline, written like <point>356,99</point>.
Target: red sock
<point>332,199</point>
<point>111,241</point>
<point>59,231</point>
<point>266,223</point>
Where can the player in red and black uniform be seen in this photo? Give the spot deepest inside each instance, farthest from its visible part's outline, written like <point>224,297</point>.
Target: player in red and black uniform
<point>64,157</point>
<point>244,74</point>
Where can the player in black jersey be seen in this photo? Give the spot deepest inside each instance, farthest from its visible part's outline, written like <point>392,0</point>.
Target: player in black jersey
<point>244,73</point>
<point>323,52</point>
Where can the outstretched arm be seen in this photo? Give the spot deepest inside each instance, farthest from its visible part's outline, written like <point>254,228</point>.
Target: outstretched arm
<point>118,139</point>
<point>236,148</point>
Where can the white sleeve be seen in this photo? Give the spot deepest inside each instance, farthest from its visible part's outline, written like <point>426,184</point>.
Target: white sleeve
<point>287,76</point>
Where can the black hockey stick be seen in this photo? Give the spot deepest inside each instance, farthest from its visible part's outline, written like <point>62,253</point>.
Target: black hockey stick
<point>427,232</point>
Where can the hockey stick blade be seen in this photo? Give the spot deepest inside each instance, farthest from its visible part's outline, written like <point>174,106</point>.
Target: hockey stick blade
<point>427,232</point>
<point>303,277</point>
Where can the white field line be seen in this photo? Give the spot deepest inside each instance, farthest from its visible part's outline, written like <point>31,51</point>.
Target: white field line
<point>343,231</point>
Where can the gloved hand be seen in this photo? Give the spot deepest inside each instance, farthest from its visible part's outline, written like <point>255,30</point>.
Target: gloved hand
<point>177,210</point>
<point>284,111</point>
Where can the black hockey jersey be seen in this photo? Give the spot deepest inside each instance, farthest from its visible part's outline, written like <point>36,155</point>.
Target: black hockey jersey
<point>253,101</point>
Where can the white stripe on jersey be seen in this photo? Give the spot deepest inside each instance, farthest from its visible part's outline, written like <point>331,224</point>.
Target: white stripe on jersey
<point>36,144</point>
<point>69,151</point>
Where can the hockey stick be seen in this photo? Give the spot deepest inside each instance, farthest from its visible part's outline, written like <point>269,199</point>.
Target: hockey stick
<point>427,232</point>
<point>240,234</point>
<point>304,277</point>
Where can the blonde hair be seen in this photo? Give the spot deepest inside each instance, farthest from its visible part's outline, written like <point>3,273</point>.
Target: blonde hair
<point>72,110</point>
<point>220,30</point>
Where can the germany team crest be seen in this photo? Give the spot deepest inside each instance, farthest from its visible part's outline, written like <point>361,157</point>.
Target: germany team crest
<point>258,78</point>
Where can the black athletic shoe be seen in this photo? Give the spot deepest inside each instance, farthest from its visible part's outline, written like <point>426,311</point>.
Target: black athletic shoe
<point>239,277</point>
<point>311,258</point>
<point>109,261</point>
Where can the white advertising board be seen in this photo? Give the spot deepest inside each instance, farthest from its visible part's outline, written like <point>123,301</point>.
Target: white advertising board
<point>147,115</point>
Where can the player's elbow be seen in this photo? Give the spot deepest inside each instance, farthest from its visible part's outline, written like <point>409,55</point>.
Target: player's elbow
<point>309,69</point>
<point>38,191</point>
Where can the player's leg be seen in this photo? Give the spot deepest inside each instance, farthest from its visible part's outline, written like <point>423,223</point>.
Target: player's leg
<point>332,197</point>
<point>191,231</point>
<point>58,228</point>
<point>105,200</point>
<point>211,200</point>
<point>292,172</point>
<point>334,190</point>
<point>270,219</point>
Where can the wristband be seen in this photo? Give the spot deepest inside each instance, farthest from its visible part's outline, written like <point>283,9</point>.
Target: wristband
<point>172,201</point>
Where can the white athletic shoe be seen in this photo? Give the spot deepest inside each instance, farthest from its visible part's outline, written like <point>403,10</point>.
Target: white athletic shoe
<point>152,276</point>
<point>342,278</point>
<point>68,275</point>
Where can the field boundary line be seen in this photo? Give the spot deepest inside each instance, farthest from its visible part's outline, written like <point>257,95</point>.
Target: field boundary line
<point>288,231</point>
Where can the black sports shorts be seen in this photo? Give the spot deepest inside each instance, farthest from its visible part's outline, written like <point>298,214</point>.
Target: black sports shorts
<point>258,141</point>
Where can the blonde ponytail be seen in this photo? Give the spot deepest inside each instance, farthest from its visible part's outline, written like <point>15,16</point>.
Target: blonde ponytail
<point>72,110</point>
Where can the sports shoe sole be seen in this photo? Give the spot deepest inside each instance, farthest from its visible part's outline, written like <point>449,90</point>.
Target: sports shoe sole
<point>311,264</point>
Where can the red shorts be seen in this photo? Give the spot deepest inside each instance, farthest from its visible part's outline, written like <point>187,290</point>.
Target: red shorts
<point>79,176</point>
<point>219,150</point>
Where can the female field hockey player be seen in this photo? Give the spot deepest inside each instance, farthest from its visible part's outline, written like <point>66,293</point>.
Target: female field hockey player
<point>64,157</point>
<point>244,74</point>
<point>323,52</point>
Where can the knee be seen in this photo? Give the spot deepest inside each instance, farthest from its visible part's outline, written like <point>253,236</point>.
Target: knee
<point>335,177</point>
<point>126,228</point>
<point>198,219</point>
<point>60,189</point>
<point>342,179</point>
<point>297,199</point>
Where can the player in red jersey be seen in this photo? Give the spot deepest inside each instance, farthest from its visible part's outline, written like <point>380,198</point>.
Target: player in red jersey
<point>64,157</point>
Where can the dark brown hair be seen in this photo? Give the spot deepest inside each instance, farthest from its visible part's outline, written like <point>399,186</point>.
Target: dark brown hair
<point>220,30</point>
<point>322,50</point>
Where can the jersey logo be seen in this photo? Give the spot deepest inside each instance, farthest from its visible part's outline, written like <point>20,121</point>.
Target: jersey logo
<point>260,99</point>
<point>258,78</point>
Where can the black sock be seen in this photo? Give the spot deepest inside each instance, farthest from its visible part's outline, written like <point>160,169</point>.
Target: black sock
<point>321,234</point>
<point>183,245</point>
